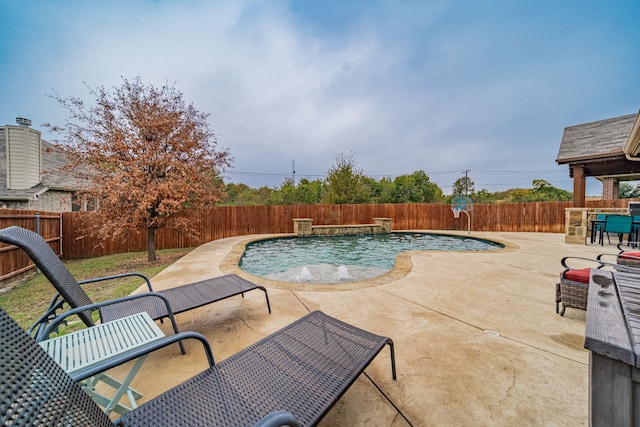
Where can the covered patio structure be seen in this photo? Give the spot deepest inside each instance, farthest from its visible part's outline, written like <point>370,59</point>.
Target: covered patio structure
<point>608,150</point>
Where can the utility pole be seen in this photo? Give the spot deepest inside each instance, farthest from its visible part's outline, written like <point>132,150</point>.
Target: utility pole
<point>293,171</point>
<point>466,182</point>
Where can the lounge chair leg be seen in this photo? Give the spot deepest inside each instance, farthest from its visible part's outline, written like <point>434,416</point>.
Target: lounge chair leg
<point>266,295</point>
<point>175,330</point>
<point>393,358</point>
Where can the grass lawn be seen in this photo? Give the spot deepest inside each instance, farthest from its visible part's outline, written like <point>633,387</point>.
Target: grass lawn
<point>28,299</point>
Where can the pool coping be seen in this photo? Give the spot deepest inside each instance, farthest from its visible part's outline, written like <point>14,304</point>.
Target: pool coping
<point>402,266</point>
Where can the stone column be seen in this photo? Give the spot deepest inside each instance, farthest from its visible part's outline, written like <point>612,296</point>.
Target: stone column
<point>302,226</point>
<point>575,225</point>
<point>384,223</point>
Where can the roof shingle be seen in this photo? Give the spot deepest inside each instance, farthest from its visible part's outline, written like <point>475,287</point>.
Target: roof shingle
<point>595,140</point>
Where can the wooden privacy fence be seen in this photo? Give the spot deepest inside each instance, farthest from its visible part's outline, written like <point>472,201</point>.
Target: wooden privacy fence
<point>13,260</point>
<point>228,221</point>
<point>65,234</point>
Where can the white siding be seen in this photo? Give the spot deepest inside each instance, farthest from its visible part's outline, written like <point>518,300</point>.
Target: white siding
<point>23,157</point>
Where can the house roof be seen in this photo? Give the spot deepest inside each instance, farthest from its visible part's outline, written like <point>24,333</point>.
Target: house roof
<point>595,140</point>
<point>53,159</point>
<point>632,147</point>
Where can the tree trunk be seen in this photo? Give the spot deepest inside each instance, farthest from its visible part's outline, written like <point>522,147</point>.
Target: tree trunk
<point>151,244</point>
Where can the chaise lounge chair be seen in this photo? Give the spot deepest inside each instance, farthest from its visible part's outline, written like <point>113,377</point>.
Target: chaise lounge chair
<point>302,369</point>
<point>180,299</point>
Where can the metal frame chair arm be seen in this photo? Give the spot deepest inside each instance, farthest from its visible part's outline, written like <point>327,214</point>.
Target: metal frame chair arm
<point>630,257</point>
<point>56,304</point>
<point>630,246</point>
<point>55,322</point>
<point>118,276</point>
<point>145,349</point>
<point>601,263</point>
<point>564,260</point>
<point>278,419</point>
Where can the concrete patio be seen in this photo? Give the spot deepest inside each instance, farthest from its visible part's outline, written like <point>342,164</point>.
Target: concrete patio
<point>477,338</point>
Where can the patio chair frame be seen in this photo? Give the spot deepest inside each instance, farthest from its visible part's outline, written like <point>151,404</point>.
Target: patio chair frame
<point>303,369</point>
<point>159,304</point>
<point>574,294</point>
<point>619,224</point>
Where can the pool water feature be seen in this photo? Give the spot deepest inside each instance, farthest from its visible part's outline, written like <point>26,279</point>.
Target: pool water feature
<point>340,259</point>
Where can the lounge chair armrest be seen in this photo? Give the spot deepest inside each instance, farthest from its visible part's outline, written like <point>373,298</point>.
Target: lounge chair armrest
<point>564,261</point>
<point>278,419</point>
<point>601,264</point>
<point>118,276</point>
<point>141,351</point>
<point>60,318</point>
<point>599,257</point>
<point>39,325</point>
<point>628,245</point>
<point>618,255</point>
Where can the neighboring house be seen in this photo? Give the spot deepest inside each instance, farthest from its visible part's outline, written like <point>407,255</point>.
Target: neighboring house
<point>606,150</point>
<point>30,175</point>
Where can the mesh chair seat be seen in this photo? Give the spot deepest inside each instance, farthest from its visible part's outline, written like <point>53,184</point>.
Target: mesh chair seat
<point>180,299</point>
<point>303,368</point>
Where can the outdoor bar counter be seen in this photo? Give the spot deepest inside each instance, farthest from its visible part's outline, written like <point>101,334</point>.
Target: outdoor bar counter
<point>613,338</point>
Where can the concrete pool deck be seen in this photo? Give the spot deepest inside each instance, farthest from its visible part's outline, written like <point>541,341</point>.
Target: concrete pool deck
<point>477,338</point>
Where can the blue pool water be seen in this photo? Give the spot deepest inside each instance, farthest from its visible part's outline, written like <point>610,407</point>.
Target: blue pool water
<point>338,259</point>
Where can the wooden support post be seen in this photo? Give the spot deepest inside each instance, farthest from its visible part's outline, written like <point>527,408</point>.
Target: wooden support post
<point>579,187</point>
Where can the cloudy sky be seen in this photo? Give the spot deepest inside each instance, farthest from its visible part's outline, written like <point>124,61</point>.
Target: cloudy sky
<point>441,86</point>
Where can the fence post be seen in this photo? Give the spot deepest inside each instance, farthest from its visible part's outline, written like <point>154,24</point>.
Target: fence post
<point>37,231</point>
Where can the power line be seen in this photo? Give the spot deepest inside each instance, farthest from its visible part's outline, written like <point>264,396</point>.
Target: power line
<point>430,173</point>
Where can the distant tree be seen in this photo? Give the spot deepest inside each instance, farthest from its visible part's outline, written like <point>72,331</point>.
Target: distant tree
<point>305,193</point>
<point>628,191</point>
<point>483,196</point>
<point>346,183</point>
<point>145,157</point>
<point>415,188</point>
<point>543,191</point>
<point>519,195</point>
<point>309,192</point>
<point>262,194</point>
<point>233,191</point>
<point>380,191</point>
<point>283,195</point>
<point>463,186</point>
<point>243,195</point>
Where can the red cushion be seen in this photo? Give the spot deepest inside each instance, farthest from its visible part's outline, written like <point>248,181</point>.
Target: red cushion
<point>629,255</point>
<point>581,275</point>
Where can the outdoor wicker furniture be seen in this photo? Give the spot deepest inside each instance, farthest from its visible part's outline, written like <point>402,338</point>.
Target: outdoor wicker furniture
<point>303,369</point>
<point>179,299</point>
<point>573,289</point>
<point>629,254</point>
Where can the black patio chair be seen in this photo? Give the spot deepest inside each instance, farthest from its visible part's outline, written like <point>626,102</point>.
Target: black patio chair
<point>180,299</point>
<point>302,369</point>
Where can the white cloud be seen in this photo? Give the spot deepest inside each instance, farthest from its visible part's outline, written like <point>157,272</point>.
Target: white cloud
<point>405,86</point>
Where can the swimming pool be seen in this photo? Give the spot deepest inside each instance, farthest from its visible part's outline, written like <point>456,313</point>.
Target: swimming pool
<point>339,259</point>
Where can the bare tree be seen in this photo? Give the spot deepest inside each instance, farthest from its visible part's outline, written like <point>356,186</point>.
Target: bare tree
<point>146,159</point>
